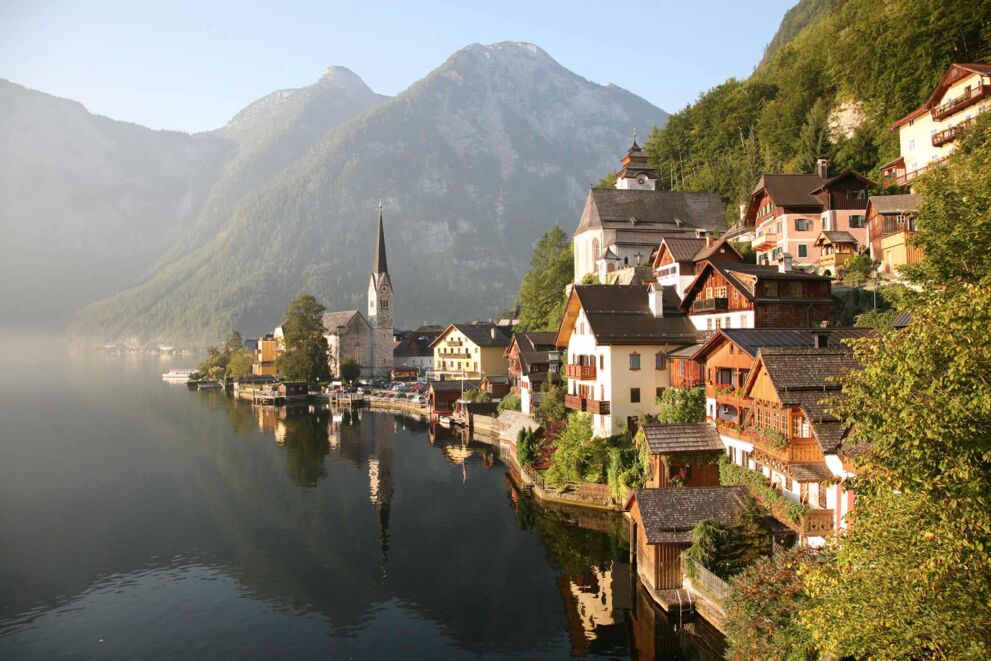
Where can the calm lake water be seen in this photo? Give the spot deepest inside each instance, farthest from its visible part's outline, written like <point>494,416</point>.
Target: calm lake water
<point>140,519</point>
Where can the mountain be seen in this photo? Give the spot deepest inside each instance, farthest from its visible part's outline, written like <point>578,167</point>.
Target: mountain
<point>87,203</point>
<point>473,164</point>
<point>91,205</point>
<point>832,81</point>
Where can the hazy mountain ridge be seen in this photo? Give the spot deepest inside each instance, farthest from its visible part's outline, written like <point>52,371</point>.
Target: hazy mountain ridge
<point>88,203</point>
<point>474,163</point>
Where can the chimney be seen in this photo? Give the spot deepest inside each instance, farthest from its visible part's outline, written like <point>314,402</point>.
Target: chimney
<point>708,240</point>
<point>655,299</point>
<point>784,266</point>
<point>822,168</point>
<point>492,332</point>
<point>822,340</point>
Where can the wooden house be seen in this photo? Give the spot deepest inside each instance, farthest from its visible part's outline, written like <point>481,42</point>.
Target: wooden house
<point>727,295</point>
<point>532,359</point>
<point>681,455</point>
<point>890,224</point>
<point>443,395</point>
<point>835,248</point>
<point>661,522</point>
<point>678,258</point>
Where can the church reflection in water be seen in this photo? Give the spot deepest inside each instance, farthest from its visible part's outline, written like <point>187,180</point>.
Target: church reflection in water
<point>606,610</point>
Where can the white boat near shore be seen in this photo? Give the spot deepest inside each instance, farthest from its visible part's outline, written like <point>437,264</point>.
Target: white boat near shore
<point>178,374</point>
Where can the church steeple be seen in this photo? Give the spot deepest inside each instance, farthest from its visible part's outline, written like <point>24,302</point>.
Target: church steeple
<point>636,173</point>
<point>381,265</point>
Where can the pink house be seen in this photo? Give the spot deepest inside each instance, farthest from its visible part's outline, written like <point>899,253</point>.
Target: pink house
<point>788,212</point>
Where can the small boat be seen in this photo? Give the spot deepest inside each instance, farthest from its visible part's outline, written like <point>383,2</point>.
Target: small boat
<point>179,375</point>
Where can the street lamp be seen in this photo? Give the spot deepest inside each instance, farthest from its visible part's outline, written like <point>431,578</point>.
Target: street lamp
<point>874,282</point>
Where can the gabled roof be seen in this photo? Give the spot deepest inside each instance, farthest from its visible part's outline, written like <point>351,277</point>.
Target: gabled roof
<point>535,341</point>
<point>894,204</point>
<point>713,250</point>
<point>482,334</point>
<point>651,210</point>
<point>835,237</point>
<point>681,249</point>
<point>844,175</point>
<point>752,340</point>
<point>669,515</point>
<point>333,320</point>
<point>696,437</point>
<point>737,273</point>
<point>790,190</point>
<point>620,314</point>
<point>953,74</point>
<point>807,378</point>
<point>415,344</point>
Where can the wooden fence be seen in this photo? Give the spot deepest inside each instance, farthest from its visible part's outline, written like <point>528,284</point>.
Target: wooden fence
<point>705,582</point>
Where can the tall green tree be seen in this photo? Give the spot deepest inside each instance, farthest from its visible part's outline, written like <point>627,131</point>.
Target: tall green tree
<point>219,357</point>
<point>551,407</point>
<point>681,405</point>
<point>305,357</point>
<point>541,297</point>
<point>350,371</point>
<point>912,577</point>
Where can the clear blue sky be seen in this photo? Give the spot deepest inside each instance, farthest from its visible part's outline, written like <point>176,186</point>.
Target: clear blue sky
<point>192,65</point>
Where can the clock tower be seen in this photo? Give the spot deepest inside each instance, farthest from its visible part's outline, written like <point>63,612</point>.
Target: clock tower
<point>636,173</point>
<point>380,308</point>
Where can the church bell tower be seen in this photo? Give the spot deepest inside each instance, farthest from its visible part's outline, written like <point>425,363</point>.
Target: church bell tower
<point>380,307</point>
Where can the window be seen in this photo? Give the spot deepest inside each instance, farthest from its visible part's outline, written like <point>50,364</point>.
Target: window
<point>659,361</point>
<point>771,289</point>
<point>911,144</point>
<point>634,361</point>
<point>803,224</point>
<point>634,395</point>
<point>602,362</point>
<point>658,392</point>
<point>803,250</point>
<point>857,221</point>
<point>709,323</point>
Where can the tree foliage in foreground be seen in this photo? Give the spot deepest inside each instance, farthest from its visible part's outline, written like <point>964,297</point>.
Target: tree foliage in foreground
<point>541,297</point>
<point>681,405</point>
<point>305,357</point>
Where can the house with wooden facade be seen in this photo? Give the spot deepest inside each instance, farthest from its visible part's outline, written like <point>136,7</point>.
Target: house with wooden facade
<point>890,224</point>
<point>470,351</point>
<point>661,522</point>
<point>531,359</point>
<point>835,248</point>
<point>265,355</point>
<point>443,396</point>
<point>617,339</point>
<point>928,134</point>
<point>681,455</point>
<point>677,259</point>
<point>795,441</point>
<point>729,295</point>
<point>788,211</point>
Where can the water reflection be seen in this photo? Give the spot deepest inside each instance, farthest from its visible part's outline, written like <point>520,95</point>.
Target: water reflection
<point>163,520</point>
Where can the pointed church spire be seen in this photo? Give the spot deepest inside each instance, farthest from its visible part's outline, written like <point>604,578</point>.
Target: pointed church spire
<point>381,266</point>
<point>635,145</point>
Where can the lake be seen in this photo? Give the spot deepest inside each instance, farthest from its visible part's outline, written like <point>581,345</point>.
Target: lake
<point>141,519</point>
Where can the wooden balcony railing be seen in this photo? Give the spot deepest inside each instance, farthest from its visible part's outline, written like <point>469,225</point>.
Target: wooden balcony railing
<point>818,522</point>
<point>597,406</point>
<point>580,372</point>
<point>940,138</point>
<point>905,178</point>
<point>720,393</point>
<point>797,451</point>
<point>710,305</point>
<point>766,239</point>
<point>965,100</point>
<point>574,402</point>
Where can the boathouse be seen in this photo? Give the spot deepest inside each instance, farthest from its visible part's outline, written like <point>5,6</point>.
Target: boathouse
<point>443,395</point>
<point>681,455</point>
<point>661,522</point>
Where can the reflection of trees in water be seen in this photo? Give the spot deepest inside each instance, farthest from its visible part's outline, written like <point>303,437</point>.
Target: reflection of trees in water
<point>305,441</point>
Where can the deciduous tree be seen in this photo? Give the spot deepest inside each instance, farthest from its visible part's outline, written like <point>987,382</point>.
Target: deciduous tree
<point>541,297</point>
<point>305,357</point>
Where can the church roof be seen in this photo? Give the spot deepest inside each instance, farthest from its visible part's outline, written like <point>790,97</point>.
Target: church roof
<point>651,211</point>
<point>333,320</point>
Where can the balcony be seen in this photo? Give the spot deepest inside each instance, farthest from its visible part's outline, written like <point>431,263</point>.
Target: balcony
<point>766,239</point>
<point>597,406</point>
<point>817,523</point>
<point>580,372</point>
<point>965,100</point>
<point>725,393</point>
<point>710,305</point>
<point>940,138</point>
<point>907,177</point>
<point>795,450</point>
<point>575,402</point>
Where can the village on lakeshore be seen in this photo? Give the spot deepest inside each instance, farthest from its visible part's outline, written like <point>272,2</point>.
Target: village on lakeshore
<point>693,377</point>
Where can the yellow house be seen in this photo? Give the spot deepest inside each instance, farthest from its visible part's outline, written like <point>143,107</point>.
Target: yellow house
<point>265,355</point>
<point>618,337</point>
<point>471,351</point>
<point>891,222</point>
<point>835,248</point>
<point>928,134</point>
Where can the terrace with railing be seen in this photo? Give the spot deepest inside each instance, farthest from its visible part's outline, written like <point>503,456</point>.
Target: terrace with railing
<point>965,100</point>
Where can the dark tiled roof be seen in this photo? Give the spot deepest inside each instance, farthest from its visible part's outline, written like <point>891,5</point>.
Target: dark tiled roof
<point>791,190</point>
<point>652,210</point>
<point>698,437</point>
<point>481,333</point>
<point>620,314</point>
<point>686,351</point>
<point>796,369</point>
<point>733,271</point>
<point>684,249</point>
<point>532,341</point>
<point>810,472</point>
<point>710,250</point>
<point>849,173</point>
<point>837,237</point>
<point>767,272</point>
<point>416,343</point>
<point>453,385</point>
<point>886,204</point>
<point>901,320</point>
<point>331,320</point>
<point>670,514</point>
<point>751,340</point>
